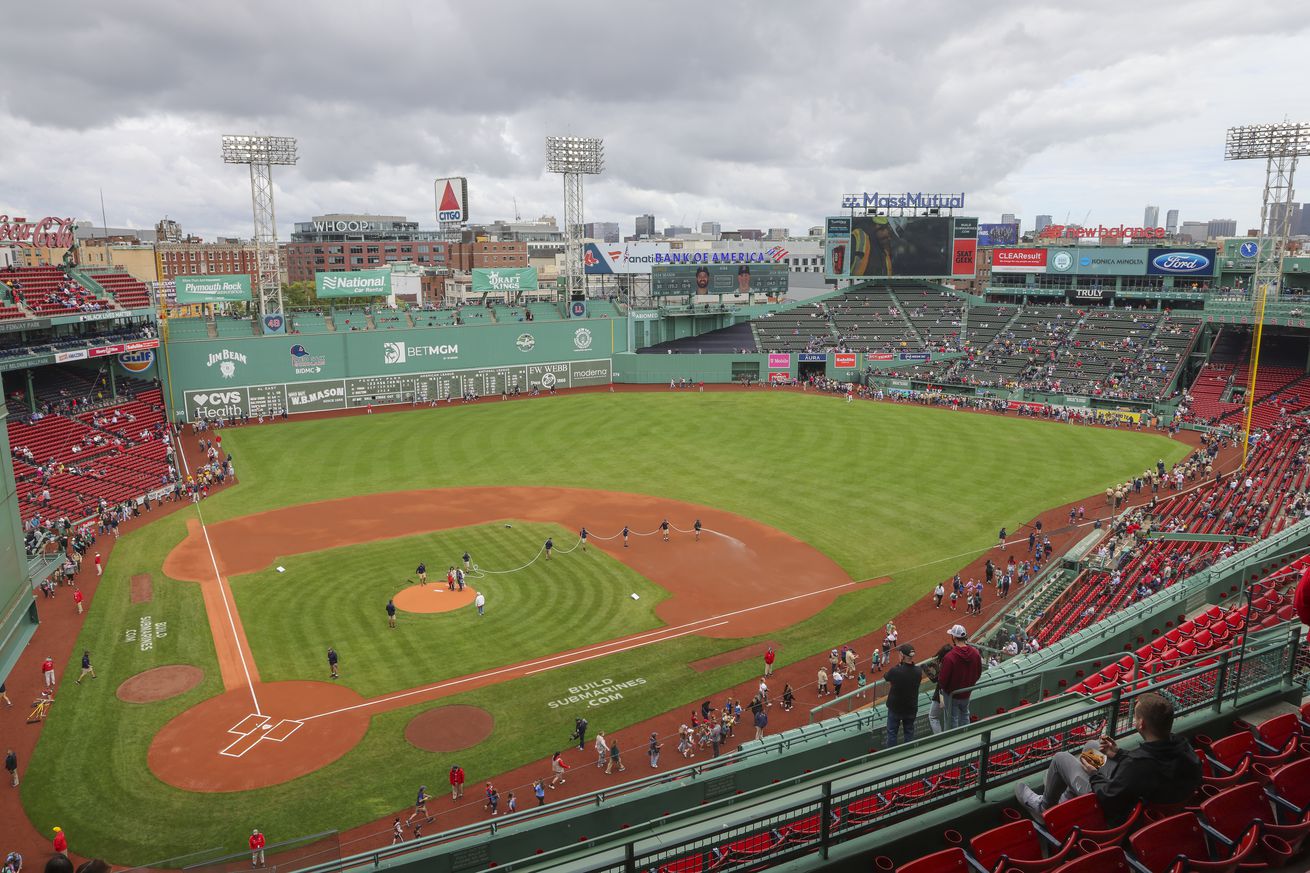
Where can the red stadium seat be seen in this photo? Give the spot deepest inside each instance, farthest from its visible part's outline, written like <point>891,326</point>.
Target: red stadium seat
<point>1290,785</point>
<point>1231,749</point>
<point>694,864</point>
<point>1278,732</point>
<point>867,807</point>
<point>1232,811</point>
<point>947,861</point>
<point>1083,818</point>
<point>1017,846</point>
<point>752,848</point>
<point>1179,843</point>
<point>1107,860</point>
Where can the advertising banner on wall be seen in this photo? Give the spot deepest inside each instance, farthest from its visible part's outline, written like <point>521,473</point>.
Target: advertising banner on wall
<point>452,200</point>
<point>964,252</point>
<point>1180,262</point>
<point>894,246</point>
<point>666,281</point>
<point>212,289</point>
<point>1095,296</point>
<point>1109,261</point>
<point>779,361</point>
<point>504,279</point>
<point>360,283</point>
<point>1006,234</point>
<point>636,258</point>
<point>844,360</point>
<point>837,248</point>
<point>1019,260</point>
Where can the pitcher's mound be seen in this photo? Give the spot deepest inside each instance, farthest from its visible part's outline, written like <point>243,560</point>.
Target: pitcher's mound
<point>433,597</point>
<point>449,728</point>
<point>160,683</point>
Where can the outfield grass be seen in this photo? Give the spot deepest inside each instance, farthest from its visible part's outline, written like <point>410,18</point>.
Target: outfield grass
<point>884,489</point>
<point>337,598</point>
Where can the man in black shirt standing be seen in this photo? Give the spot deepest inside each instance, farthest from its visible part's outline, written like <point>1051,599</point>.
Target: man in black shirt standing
<point>903,696</point>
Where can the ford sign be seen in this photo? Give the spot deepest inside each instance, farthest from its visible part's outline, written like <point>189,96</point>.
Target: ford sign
<point>1175,263</point>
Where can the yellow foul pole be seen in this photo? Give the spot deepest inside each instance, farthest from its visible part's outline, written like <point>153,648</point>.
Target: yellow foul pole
<point>1262,293</point>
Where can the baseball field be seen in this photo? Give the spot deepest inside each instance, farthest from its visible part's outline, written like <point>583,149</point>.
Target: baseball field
<point>822,520</point>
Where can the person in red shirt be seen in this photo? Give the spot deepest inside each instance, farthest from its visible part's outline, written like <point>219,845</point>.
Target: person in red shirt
<point>48,672</point>
<point>961,668</point>
<point>61,842</point>
<point>99,566</point>
<point>456,782</point>
<point>256,848</point>
<point>77,598</point>
<point>768,661</point>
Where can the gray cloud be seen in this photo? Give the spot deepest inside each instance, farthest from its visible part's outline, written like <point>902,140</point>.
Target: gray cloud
<point>753,114</point>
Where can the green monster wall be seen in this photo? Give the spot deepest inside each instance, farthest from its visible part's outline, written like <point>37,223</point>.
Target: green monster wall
<point>317,372</point>
<point>17,608</point>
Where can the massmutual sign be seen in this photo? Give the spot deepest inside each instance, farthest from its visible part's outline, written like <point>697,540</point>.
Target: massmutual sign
<point>361,283</point>
<point>907,200</point>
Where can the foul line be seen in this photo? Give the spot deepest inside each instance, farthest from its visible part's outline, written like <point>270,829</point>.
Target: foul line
<point>222,589</point>
<point>691,626</point>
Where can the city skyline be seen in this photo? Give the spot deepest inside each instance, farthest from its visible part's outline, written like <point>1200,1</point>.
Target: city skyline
<point>1043,112</point>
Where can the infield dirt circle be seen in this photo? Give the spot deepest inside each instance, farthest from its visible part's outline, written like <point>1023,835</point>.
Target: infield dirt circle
<point>160,683</point>
<point>449,728</point>
<point>433,597</point>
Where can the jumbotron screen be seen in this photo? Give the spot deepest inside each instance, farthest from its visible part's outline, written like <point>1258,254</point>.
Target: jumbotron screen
<point>886,246</point>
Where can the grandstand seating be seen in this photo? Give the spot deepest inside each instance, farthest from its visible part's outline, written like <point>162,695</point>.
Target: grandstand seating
<point>48,291</point>
<point>234,326</point>
<point>188,328</point>
<point>307,321</point>
<point>872,320</point>
<point>127,291</point>
<point>805,328</point>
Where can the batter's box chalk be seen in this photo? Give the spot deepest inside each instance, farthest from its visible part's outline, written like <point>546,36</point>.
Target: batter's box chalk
<point>283,729</point>
<point>250,723</point>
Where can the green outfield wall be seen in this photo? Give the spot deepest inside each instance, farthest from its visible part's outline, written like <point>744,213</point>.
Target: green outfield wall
<point>255,376</point>
<point>17,608</point>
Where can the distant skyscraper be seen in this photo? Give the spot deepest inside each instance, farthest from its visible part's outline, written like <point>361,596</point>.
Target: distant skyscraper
<point>645,225</point>
<point>1152,217</point>
<point>1008,218</point>
<point>1171,221</point>
<point>711,227</point>
<point>676,230</point>
<point>1043,221</point>
<point>605,231</point>
<point>1217,227</point>
<point>1196,231</point>
<point>778,234</point>
<point>1294,219</point>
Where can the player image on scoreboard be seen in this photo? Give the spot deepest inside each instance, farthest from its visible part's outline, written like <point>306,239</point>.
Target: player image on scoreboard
<point>883,245</point>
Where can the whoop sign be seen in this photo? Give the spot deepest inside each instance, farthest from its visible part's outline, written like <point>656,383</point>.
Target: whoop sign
<point>1019,260</point>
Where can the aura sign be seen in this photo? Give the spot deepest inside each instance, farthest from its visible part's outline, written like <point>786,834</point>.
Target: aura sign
<point>48,233</point>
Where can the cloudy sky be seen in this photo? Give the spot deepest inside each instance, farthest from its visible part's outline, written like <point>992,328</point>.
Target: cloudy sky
<point>756,114</point>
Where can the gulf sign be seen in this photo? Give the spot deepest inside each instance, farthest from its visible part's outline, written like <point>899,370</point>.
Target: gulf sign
<point>843,360</point>
<point>137,362</point>
<point>779,361</point>
<point>1019,260</point>
<point>1180,262</point>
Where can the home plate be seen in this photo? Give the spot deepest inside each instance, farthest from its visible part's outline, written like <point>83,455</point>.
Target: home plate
<point>265,727</point>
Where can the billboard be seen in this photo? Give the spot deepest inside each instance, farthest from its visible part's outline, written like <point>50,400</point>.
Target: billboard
<point>1180,262</point>
<point>1108,261</point>
<point>894,246</point>
<point>1019,260</point>
<point>212,289</point>
<point>452,200</point>
<point>505,279</point>
<point>1006,234</point>
<point>684,280</point>
<point>964,246</point>
<point>604,259</point>
<point>361,283</point>
<point>837,248</point>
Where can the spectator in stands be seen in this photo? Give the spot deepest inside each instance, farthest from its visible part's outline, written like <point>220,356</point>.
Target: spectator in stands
<point>903,697</point>
<point>1163,769</point>
<point>960,670</point>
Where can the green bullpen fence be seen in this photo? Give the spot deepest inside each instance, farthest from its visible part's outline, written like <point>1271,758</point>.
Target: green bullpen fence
<point>792,776</point>
<point>296,854</point>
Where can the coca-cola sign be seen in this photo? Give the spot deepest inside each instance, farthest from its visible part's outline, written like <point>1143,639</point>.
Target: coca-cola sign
<point>48,233</point>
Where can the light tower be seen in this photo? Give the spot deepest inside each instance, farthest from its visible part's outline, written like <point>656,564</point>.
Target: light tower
<point>574,157</point>
<point>261,153</point>
<point>1279,145</point>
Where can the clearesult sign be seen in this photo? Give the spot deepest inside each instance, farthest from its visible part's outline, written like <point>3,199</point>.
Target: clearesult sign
<point>505,279</point>
<point>212,289</point>
<point>360,283</point>
<point>1019,260</point>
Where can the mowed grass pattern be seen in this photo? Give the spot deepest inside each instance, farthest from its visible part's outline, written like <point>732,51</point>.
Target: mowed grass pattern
<point>884,489</point>
<point>876,486</point>
<point>338,597</point>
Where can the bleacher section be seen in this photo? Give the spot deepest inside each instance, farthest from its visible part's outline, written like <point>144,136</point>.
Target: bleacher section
<point>872,321</point>
<point>188,328</point>
<point>805,328</point>
<point>47,291</point>
<point>234,327</point>
<point>304,321</point>
<point>114,453</point>
<point>127,291</point>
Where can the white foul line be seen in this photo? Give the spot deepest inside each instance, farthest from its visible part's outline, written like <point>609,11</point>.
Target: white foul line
<point>222,589</point>
<point>694,626</point>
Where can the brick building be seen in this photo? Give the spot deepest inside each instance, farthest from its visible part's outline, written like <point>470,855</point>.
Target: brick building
<point>485,253</point>
<point>225,257</point>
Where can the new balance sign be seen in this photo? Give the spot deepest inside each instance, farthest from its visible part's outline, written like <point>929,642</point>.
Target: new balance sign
<point>361,283</point>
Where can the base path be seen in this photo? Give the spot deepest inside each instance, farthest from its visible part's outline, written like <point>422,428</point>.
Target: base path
<point>258,734</point>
